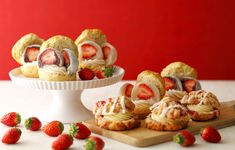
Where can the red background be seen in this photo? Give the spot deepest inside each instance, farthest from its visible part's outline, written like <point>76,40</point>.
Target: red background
<point>148,34</point>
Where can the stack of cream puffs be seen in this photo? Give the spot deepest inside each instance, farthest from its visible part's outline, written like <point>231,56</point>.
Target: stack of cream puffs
<point>115,114</point>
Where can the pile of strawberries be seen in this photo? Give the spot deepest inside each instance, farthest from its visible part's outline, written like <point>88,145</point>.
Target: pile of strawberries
<point>53,129</point>
<point>186,138</point>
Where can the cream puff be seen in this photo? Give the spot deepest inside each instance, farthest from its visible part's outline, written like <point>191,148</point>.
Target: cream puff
<point>115,114</point>
<point>25,52</point>
<point>58,59</point>
<point>167,115</point>
<point>202,105</point>
<point>149,89</point>
<point>179,70</point>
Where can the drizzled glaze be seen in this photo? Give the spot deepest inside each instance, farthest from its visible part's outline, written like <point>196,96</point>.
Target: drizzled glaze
<point>104,110</point>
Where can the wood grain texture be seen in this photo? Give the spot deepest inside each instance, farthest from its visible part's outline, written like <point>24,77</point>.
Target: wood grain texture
<point>142,137</point>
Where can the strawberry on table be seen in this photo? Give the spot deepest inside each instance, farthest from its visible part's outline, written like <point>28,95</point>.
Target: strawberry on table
<point>32,124</point>
<point>210,134</point>
<point>62,142</point>
<point>79,131</point>
<point>86,74</point>
<point>184,138</point>
<point>53,128</point>
<point>11,119</point>
<point>105,72</point>
<point>11,136</point>
<point>144,92</point>
<point>94,143</point>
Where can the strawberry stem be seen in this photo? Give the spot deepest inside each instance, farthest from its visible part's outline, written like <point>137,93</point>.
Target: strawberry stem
<point>178,139</point>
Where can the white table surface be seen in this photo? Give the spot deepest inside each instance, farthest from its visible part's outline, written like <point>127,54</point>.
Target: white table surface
<point>30,102</point>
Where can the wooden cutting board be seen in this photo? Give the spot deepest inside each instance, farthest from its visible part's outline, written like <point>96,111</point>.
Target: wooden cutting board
<point>141,137</point>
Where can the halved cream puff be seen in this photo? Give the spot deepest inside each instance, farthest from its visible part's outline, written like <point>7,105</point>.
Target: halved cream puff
<point>167,115</point>
<point>149,89</point>
<point>25,52</point>
<point>58,59</point>
<point>202,105</point>
<point>115,114</point>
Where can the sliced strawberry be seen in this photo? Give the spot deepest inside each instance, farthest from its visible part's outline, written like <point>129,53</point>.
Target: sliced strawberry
<point>48,57</point>
<point>31,54</point>
<point>128,90</point>
<point>88,51</point>
<point>65,58</point>
<point>189,85</point>
<point>169,83</point>
<point>144,92</point>
<point>106,51</point>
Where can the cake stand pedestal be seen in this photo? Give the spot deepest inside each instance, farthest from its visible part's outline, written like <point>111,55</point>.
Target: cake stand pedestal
<point>66,105</point>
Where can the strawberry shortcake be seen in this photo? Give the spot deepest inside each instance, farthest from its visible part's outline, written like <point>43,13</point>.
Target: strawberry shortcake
<point>58,59</point>
<point>25,52</point>
<point>115,114</point>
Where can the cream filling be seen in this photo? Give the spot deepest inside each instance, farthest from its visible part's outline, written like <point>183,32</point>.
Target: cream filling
<point>118,116</point>
<point>202,109</point>
<point>165,120</point>
<point>34,63</point>
<point>51,69</point>
<point>93,62</point>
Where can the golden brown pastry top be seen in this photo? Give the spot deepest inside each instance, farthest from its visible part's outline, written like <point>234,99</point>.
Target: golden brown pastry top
<point>201,97</point>
<point>23,43</point>
<point>179,69</point>
<point>152,77</point>
<point>60,42</point>
<point>95,35</point>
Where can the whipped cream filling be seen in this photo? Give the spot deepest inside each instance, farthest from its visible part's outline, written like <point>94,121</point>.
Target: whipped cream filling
<point>165,120</point>
<point>202,109</point>
<point>33,63</point>
<point>93,62</point>
<point>51,69</point>
<point>73,67</point>
<point>118,116</point>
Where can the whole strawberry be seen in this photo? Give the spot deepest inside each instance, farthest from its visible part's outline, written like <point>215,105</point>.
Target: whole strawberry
<point>105,72</point>
<point>184,138</point>
<point>11,136</point>
<point>33,124</point>
<point>86,74</point>
<point>53,128</point>
<point>11,119</point>
<point>79,131</point>
<point>94,143</point>
<point>210,134</point>
<point>63,141</point>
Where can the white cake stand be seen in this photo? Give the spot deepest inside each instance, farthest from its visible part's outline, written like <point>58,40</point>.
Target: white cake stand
<point>66,106</point>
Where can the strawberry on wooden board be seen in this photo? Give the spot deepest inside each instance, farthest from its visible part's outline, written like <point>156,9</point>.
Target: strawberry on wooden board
<point>33,124</point>
<point>62,142</point>
<point>11,136</point>
<point>184,138</point>
<point>105,72</point>
<point>79,131</point>
<point>53,128</point>
<point>11,119</point>
<point>94,143</point>
<point>86,74</point>
<point>144,92</point>
<point>210,134</point>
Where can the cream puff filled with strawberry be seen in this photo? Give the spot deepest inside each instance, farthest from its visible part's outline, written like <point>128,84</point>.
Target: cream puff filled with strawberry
<point>25,52</point>
<point>202,105</point>
<point>115,114</point>
<point>126,90</point>
<point>149,89</point>
<point>167,115</point>
<point>57,60</point>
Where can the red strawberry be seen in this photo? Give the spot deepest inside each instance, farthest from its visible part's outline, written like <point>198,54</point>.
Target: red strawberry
<point>189,85</point>
<point>33,124</point>
<point>65,58</point>
<point>11,136</point>
<point>100,103</point>
<point>169,83</point>
<point>184,138</point>
<point>48,57</point>
<point>94,143</point>
<point>53,128</point>
<point>128,90</point>
<point>11,119</point>
<point>62,142</point>
<point>31,54</point>
<point>105,72</point>
<point>86,74</point>
<point>88,51</point>
<point>79,131</point>
<point>210,134</point>
<point>144,92</point>
<point>106,51</point>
